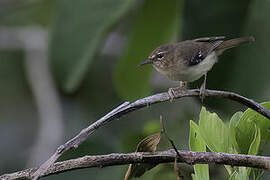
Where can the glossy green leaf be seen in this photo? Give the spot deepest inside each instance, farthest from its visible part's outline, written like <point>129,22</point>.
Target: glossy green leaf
<point>255,144</point>
<point>233,123</point>
<point>239,174</point>
<point>257,174</point>
<point>245,129</point>
<point>262,122</point>
<point>244,134</point>
<point>79,30</point>
<point>196,143</point>
<point>157,23</point>
<point>233,176</point>
<point>214,132</point>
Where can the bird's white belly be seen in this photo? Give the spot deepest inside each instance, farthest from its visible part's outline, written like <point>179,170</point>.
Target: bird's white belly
<point>191,73</point>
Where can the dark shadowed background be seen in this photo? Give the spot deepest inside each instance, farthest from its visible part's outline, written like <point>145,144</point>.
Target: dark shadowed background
<point>66,63</point>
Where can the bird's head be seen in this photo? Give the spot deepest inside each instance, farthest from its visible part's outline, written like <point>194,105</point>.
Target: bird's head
<point>160,56</point>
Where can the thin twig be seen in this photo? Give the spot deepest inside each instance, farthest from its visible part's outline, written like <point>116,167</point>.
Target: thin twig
<point>128,107</point>
<point>146,157</point>
<point>169,139</point>
<point>178,156</point>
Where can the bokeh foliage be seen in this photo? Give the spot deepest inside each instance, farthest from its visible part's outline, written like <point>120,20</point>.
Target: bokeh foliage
<point>151,29</point>
<point>77,34</point>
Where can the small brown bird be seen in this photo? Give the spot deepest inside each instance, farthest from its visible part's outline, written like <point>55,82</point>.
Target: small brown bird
<point>189,60</point>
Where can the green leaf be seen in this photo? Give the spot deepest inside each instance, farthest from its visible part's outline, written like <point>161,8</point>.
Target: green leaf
<point>233,176</point>
<point>262,122</point>
<point>196,143</point>
<point>238,134</point>
<point>239,174</point>
<point>245,129</point>
<point>157,23</point>
<point>255,144</point>
<point>79,30</point>
<point>244,134</point>
<point>214,132</point>
<point>233,123</point>
<point>257,174</point>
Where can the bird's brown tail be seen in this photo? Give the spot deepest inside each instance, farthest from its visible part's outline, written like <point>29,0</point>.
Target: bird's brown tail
<point>233,43</point>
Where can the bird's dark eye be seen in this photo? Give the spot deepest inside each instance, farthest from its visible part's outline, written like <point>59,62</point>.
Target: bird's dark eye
<point>160,55</point>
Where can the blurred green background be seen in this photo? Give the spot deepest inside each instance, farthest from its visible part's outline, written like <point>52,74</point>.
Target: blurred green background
<point>66,63</point>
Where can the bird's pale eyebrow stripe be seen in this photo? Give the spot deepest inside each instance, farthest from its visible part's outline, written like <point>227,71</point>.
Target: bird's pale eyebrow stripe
<point>162,52</point>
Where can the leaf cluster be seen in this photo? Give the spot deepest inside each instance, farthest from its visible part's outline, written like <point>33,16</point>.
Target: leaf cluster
<point>246,133</point>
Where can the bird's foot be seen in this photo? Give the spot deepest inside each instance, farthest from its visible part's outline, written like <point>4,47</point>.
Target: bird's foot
<point>171,93</point>
<point>174,91</point>
<point>202,89</point>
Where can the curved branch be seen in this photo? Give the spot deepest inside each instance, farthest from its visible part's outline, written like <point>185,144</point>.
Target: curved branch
<point>188,157</point>
<point>128,107</point>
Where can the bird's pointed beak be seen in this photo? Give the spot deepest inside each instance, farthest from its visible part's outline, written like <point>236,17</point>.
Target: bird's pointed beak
<point>147,61</point>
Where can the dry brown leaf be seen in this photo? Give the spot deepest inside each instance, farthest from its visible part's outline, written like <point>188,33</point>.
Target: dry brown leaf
<point>148,144</point>
<point>177,170</point>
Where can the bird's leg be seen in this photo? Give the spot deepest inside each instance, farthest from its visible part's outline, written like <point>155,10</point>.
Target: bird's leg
<point>202,89</point>
<point>182,85</point>
<point>172,91</point>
